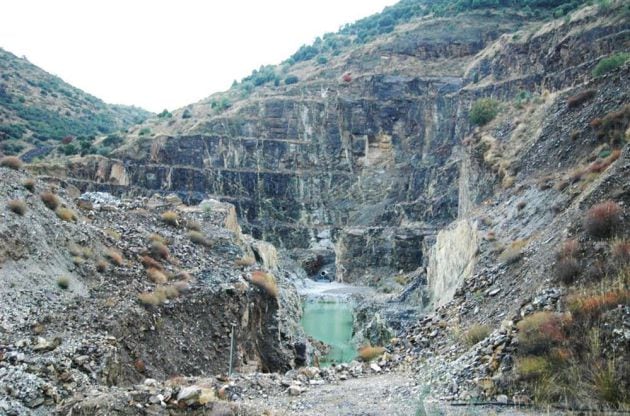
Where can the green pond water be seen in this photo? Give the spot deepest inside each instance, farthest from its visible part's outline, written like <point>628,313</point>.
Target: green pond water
<point>330,322</point>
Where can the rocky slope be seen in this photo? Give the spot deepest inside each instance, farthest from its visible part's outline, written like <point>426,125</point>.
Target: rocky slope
<point>38,110</point>
<point>107,293</point>
<point>510,233</point>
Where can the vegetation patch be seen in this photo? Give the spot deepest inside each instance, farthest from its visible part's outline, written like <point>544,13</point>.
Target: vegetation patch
<point>475,334</point>
<point>266,282</point>
<point>603,219</point>
<point>11,162</point>
<point>29,184</point>
<point>170,218</point>
<point>483,111</point>
<point>368,353</point>
<point>17,206</point>
<point>66,214</point>
<point>50,200</point>
<point>63,282</point>
<point>611,63</point>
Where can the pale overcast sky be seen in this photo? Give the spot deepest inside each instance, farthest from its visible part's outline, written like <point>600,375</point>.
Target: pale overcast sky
<point>165,53</point>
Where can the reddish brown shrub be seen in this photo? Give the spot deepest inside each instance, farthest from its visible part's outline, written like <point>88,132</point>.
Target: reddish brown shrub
<point>150,262</point>
<point>66,214</point>
<point>580,98</point>
<point>540,331</point>
<point>603,219</point>
<point>368,353</point>
<point>101,265</point>
<point>592,305</point>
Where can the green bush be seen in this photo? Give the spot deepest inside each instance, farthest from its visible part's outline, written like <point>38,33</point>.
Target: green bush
<point>483,111</point>
<point>291,79</point>
<point>612,62</point>
<point>165,114</point>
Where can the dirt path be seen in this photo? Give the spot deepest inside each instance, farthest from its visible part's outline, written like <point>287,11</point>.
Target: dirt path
<point>391,394</point>
<point>386,394</point>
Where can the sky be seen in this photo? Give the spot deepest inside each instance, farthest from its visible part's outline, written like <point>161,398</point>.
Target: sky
<point>160,54</point>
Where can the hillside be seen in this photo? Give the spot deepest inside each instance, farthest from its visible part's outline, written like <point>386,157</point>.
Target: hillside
<point>38,110</point>
<point>459,177</point>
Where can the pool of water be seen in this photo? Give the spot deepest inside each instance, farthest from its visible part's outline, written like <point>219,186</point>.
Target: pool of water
<point>330,321</point>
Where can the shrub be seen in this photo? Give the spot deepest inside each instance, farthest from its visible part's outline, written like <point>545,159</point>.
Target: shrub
<point>611,63</point>
<point>368,353</point>
<point>17,206</point>
<point>156,237</point>
<point>291,79</point>
<point>620,250</point>
<point>198,238</point>
<point>114,257</point>
<point>567,270</point>
<point>577,99</point>
<point>50,200</point>
<point>159,250</point>
<point>167,292</point>
<point>483,111</point>
<point>591,305</point>
<point>101,265</point>
<point>150,262</point>
<point>29,184</point>
<point>521,205</point>
<point>603,219</point>
<point>63,282</point>
<point>266,282</point>
<point>540,331</point>
<point>513,252</point>
<point>66,214</point>
<point>156,276</point>
<point>149,298</point>
<point>532,367</point>
<point>193,225</point>
<point>475,334</point>
<point>245,261</point>
<point>11,162</point>
<point>170,217</point>
<point>569,249</point>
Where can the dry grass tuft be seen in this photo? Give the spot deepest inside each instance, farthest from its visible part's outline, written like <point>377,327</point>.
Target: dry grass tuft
<point>368,353</point>
<point>160,239</point>
<point>50,200</point>
<point>198,238</point>
<point>66,214</point>
<point>475,334</point>
<point>157,276</point>
<point>569,249</point>
<point>193,225</point>
<point>245,261</point>
<point>513,252</point>
<point>532,367</point>
<point>101,265</point>
<point>63,282</point>
<point>11,162</point>
<point>114,257</point>
<point>29,184</point>
<point>603,219</point>
<point>159,250</point>
<point>266,282</point>
<point>170,218</point>
<point>567,270</point>
<point>621,251</point>
<point>17,206</point>
<point>149,298</point>
<point>167,292</point>
<point>150,262</point>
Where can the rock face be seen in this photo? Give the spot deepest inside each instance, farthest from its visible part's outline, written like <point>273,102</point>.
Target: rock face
<point>452,260</point>
<point>376,161</point>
